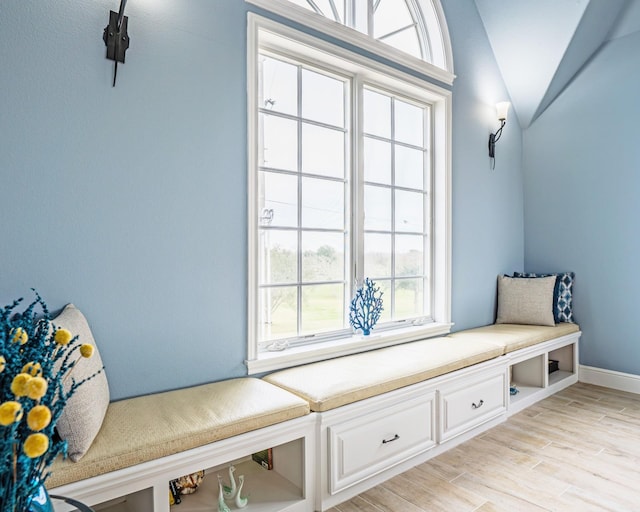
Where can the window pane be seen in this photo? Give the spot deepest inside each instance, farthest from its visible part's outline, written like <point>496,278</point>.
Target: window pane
<point>409,167</point>
<point>280,146</point>
<point>377,161</point>
<point>278,199</point>
<point>391,15</point>
<point>322,308</point>
<point>377,114</point>
<point>377,255</point>
<point>322,98</point>
<point>377,208</point>
<point>322,256</point>
<point>303,3</point>
<point>278,313</point>
<point>409,211</point>
<point>409,298</point>
<point>409,123</point>
<point>325,7</point>
<point>322,204</point>
<point>279,86</point>
<point>409,255</point>
<point>278,256</point>
<point>385,288</point>
<point>407,41</point>
<point>322,151</point>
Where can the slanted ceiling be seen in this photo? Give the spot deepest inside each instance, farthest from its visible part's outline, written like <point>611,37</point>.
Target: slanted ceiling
<point>540,45</point>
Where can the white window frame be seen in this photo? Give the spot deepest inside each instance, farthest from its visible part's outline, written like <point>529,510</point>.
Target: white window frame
<point>266,32</point>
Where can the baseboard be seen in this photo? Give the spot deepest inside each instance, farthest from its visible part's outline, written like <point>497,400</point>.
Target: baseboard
<point>609,379</point>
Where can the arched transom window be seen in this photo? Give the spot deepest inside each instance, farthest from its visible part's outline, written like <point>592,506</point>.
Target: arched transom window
<point>415,27</point>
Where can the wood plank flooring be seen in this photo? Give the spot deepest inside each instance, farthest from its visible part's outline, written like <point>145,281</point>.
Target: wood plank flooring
<point>578,450</point>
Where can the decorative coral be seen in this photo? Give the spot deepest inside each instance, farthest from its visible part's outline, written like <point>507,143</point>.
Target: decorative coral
<point>366,307</point>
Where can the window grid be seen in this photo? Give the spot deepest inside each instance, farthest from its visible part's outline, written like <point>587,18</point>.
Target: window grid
<point>364,20</point>
<point>265,285</point>
<point>393,278</point>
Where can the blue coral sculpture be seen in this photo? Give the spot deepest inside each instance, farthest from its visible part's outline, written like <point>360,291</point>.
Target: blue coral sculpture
<point>366,307</point>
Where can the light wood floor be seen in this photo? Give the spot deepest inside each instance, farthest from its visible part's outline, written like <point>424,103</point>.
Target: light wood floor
<point>578,450</point>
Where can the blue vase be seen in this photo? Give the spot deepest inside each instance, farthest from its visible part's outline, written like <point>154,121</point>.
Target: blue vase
<point>40,501</point>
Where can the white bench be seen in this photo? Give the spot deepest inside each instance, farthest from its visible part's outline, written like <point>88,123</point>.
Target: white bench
<point>147,441</point>
<point>384,411</point>
<point>373,415</point>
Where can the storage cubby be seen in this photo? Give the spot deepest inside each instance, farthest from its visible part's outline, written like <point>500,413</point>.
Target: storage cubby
<point>134,502</point>
<point>529,371</point>
<point>278,489</point>
<point>566,364</point>
<point>528,377</point>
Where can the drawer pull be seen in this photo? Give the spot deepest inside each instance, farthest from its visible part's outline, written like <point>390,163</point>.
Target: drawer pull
<point>394,438</point>
<point>478,405</point>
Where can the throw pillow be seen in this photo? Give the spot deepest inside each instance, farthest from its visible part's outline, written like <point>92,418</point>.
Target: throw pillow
<point>525,301</point>
<point>83,414</point>
<point>562,294</point>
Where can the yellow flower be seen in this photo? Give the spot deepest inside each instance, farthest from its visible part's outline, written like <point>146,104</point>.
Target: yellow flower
<point>20,336</point>
<point>86,350</point>
<point>36,388</point>
<point>34,369</point>
<point>10,412</point>
<point>19,384</point>
<point>39,417</point>
<point>3,363</point>
<point>35,445</point>
<point>62,337</point>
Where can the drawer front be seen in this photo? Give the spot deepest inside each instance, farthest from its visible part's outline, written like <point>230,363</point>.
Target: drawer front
<point>374,442</point>
<point>471,403</point>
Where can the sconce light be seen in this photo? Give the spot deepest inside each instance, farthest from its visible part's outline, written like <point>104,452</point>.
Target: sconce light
<point>501,110</point>
<point>116,38</point>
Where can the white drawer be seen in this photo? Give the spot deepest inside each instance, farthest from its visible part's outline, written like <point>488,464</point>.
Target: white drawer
<point>471,402</point>
<point>376,441</point>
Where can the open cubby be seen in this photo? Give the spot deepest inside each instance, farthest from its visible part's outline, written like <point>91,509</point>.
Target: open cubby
<point>528,377</point>
<point>134,502</point>
<point>529,372</point>
<point>566,364</point>
<point>278,489</point>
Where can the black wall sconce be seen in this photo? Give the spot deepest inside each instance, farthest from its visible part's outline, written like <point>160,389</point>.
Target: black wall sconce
<point>116,38</point>
<point>501,110</point>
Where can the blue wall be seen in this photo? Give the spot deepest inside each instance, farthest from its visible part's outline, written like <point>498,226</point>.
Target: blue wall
<point>131,201</point>
<point>582,179</point>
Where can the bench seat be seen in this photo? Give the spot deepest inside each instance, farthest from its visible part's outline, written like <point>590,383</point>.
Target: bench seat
<point>153,426</point>
<point>330,384</point>
<point>344,380</point>
<point>512,337</point>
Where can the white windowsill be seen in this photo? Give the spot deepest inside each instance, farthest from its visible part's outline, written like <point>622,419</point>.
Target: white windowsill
<point>269,361</point>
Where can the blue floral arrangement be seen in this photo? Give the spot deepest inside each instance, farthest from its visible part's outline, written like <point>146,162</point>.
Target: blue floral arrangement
<point>36,362</point>
<point>366,307</point>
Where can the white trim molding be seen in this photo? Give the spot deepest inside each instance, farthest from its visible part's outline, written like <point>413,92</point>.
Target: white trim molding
<point>609,379</point>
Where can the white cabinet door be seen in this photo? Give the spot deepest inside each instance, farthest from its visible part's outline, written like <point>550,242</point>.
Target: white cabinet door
<point>375,441</point>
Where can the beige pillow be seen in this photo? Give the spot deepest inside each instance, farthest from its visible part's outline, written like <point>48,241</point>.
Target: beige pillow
<point>82,416</point>
<point>525,300</point>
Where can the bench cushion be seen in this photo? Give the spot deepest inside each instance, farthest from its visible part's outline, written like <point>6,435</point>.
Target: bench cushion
<point>149,427</point>
<point>336,382</point>
<point>514,337</point>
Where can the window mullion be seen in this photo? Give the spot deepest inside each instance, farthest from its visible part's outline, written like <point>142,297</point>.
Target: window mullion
<point>393,210</point>
<point>299,165</point>
<point>357,103</point>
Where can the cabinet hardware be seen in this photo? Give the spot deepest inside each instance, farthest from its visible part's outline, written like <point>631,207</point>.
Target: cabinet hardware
<point>394,438</point>
<point>478,405</point>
